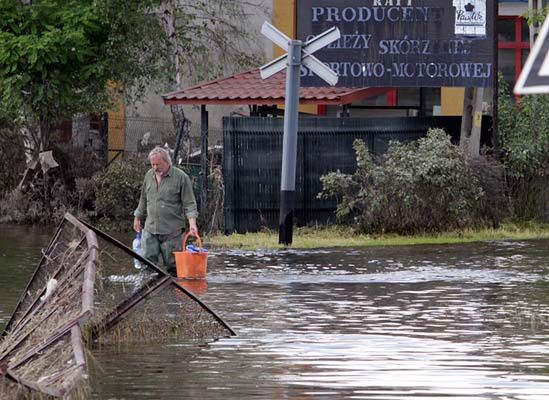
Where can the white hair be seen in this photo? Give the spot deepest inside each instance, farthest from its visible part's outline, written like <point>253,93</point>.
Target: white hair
<point>161,152</point>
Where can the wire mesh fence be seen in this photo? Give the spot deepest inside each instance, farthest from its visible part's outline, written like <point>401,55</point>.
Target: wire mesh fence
<point>90,288</point>
<point>136,136</point>
<point>141,133</point>
<point>42,350</point>
<point>144,303</point>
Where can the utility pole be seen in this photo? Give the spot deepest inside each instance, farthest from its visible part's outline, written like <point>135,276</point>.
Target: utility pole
<point>471,121</point>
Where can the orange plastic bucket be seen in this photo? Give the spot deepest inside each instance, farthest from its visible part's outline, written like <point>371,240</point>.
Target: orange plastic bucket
<point>191,265</point>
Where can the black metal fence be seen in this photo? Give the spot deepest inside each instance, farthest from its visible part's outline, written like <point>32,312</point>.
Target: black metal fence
<point>253,155</point>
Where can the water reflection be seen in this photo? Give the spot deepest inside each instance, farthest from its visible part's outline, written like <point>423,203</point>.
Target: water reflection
<point>425,322</point>
<point>19,255</point>
<point>197,286</point>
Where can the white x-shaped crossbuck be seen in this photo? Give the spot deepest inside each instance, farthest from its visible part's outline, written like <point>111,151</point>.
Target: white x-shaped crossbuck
<point>307,58</point>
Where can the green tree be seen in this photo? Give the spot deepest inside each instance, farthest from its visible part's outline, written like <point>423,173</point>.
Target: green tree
<point>210,38</point>
<point>524,142</point>
<point>57,56</point>
<point>207,39</point>
<point>535,16</point>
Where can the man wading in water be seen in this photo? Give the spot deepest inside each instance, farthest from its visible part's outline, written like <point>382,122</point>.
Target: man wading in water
<point>166,198</point>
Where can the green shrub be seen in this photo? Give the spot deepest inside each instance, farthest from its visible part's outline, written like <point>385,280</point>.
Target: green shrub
<point>524,150</point>
<point>117,189</point>
<point>494,206</point>
<point>423,186</point>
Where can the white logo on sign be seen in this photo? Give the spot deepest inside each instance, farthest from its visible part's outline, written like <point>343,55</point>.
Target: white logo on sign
<point>470,17</point>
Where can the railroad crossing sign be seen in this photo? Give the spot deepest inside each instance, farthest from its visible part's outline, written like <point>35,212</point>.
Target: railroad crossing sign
<point>297,54</point>
<point>534,78</point>
<point>307,50</point>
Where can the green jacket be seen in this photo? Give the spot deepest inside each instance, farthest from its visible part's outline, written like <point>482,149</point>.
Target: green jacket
<point>166,205</point>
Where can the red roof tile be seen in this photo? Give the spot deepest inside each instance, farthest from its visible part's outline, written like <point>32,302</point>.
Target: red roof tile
<point>249,88</point>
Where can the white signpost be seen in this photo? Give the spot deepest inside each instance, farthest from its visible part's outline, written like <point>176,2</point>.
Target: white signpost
<point>298,53</point>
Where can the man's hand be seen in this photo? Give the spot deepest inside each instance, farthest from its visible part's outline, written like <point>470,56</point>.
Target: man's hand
<point>192,227</point>
<point>137,224</point>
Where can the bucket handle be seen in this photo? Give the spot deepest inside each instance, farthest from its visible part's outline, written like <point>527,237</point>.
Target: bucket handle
<point>186,237</point>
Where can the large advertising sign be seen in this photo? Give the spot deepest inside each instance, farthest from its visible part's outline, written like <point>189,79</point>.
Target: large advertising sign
<point>402,43</point>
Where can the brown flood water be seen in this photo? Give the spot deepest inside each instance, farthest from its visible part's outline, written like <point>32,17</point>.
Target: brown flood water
<point>418,322</point>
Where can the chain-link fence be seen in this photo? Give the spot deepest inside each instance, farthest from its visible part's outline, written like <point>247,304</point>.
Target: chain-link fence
<point>138,135</point>
<point>142,133</point>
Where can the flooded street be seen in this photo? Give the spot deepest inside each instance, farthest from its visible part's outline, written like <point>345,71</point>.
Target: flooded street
<point>417,322</point>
